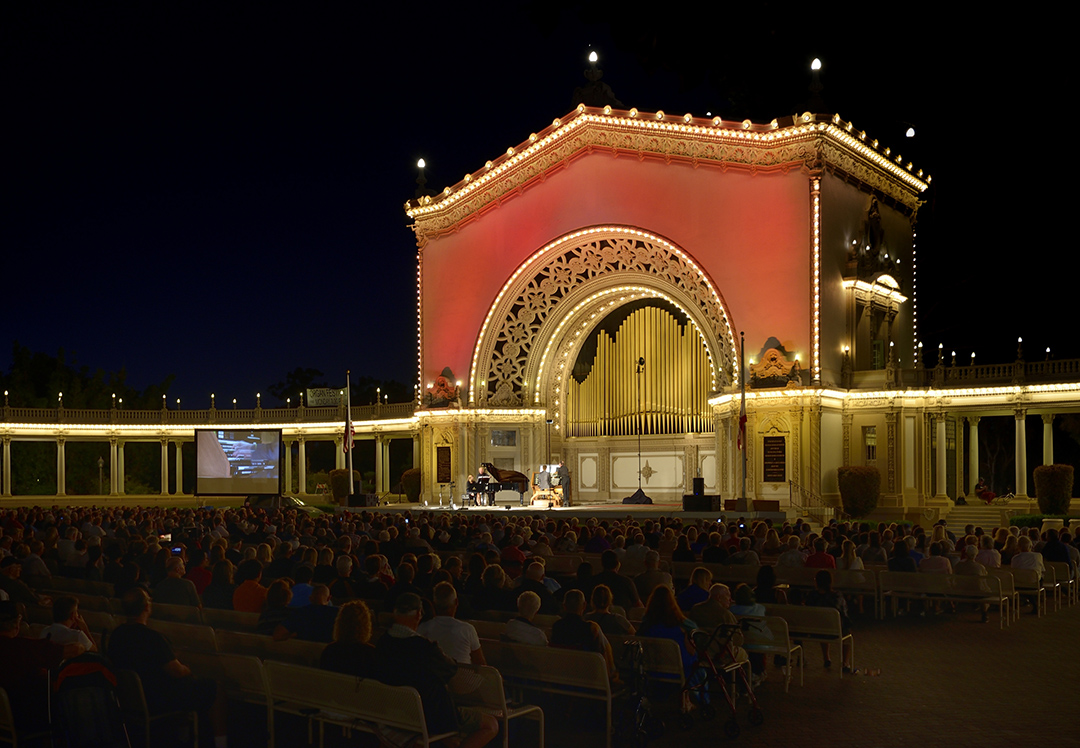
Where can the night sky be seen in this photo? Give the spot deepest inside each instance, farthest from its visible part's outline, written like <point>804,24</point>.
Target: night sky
<point>217,194</point>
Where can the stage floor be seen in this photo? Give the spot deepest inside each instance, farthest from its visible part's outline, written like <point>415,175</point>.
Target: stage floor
<point>584,511</point>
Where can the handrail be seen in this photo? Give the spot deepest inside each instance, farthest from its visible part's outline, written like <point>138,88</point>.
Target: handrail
<point>809,503</point>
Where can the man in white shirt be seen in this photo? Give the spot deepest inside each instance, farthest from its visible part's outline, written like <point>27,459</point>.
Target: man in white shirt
<point>457,639</point>
<point>68,626</point>
<point>1026,558</point>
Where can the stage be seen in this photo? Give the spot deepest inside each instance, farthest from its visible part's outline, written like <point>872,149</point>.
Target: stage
<point>584,511</point>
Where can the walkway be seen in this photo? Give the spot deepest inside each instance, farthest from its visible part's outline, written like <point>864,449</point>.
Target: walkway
<point>949,677</point>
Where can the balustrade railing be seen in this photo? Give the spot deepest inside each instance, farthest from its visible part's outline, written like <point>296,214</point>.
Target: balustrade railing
<point>95,416</point>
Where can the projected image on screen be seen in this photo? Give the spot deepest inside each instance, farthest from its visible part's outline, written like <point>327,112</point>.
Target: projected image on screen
<point>238,462</point>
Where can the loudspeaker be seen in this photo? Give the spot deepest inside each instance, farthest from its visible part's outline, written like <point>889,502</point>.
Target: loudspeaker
<point>692,503</point>
<point>364,499</point>
<point>699,486</point>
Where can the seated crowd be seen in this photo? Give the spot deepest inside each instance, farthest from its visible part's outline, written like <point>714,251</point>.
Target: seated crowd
<point>325,579</point>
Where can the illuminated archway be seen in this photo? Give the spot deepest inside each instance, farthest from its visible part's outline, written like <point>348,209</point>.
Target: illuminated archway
<point>567,281</point>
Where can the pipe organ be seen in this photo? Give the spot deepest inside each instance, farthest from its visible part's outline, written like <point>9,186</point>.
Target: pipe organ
<point>607,395</point>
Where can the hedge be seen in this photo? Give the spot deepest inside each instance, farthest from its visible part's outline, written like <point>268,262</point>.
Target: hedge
<point>1053,487</point>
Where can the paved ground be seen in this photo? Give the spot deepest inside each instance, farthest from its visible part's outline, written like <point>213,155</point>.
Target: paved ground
<point>948,678</point>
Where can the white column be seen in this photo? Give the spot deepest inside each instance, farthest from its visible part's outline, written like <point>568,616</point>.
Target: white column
<point>1021,454</point>
<point>379,474</point>
<point>179,467</point>
<point>1048,438</point>
<point>61,476</point>
<point>301,487</point>
<point>941,457</point>
<point>164,467</point>
<point>120,467</point>
<point>973,454</point>
<point>288,467</point>
<point>112,465</point>
<point>416,450</point>
<point>388,479</point>
<point>5,489</point>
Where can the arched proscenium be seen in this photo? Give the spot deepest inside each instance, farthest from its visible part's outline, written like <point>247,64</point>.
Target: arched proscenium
<point>534,292</point>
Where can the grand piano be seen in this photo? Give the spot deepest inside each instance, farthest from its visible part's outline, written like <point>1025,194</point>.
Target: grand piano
<point>501,480</point>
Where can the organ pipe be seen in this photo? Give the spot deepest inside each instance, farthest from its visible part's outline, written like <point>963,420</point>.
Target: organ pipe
<point>669,397</point>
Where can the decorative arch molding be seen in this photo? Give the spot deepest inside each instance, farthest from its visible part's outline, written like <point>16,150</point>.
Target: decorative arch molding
<point>546,288</point>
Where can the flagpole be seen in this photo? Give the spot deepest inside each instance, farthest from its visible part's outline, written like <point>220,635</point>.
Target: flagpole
<point>347,443</point>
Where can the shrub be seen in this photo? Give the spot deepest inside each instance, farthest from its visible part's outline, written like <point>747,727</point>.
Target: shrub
<point>859,489</point>
<point>1036,520</point>
<point>1053,487</point>
<point>410,485</point>
<point>339,483</point>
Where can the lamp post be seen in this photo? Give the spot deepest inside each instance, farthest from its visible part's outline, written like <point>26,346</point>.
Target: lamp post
<point>100,475</point>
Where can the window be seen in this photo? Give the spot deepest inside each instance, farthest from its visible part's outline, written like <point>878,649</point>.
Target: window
<point>869,435</point>
<point>503,438</point>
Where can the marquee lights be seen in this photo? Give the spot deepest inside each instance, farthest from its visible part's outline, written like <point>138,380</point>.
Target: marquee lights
<point>714,129</point>
<point>815,358</point>
<point>965,392</point>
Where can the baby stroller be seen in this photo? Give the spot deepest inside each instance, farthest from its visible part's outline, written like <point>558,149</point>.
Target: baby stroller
<point>716,664</point>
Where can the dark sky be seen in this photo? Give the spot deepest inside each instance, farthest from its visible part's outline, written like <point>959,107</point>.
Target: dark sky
<point>216,192</point>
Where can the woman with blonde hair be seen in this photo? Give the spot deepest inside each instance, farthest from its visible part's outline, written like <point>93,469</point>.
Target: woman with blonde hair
<point>351,651</point>
<point>772,546</point>
<point>848,560</point>
<point>1010,549</point>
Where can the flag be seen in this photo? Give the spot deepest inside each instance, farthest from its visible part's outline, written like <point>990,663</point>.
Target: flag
<point>347,439</point>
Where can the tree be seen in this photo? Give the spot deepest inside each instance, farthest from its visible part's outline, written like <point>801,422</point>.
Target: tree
<point>36,379</point>
<point>296,381</point>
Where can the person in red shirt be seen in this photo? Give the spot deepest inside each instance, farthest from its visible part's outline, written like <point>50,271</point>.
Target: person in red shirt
<point>199,572</point>
<point>250,596</point>
<point>819,559</point>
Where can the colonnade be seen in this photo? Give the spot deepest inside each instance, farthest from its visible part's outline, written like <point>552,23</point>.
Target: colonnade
<point>383,479</point>
<point>1019,459</point>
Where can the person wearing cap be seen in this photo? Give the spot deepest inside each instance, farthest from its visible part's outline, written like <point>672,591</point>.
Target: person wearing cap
<point>404,658</point>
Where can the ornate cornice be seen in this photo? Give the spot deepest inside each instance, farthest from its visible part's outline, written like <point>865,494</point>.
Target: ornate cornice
<point>809,142</point>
